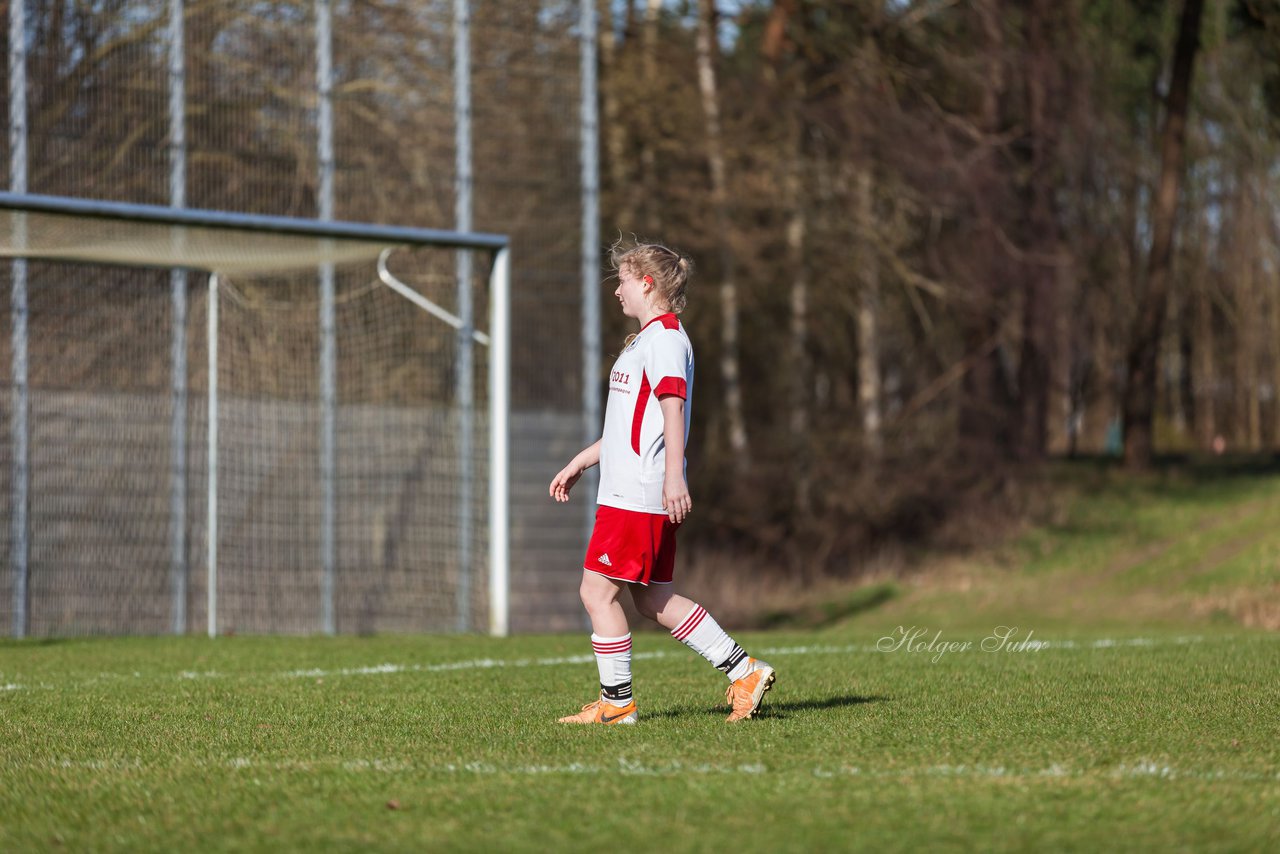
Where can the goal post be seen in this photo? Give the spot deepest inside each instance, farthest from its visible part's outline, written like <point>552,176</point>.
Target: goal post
<point>228,247</point>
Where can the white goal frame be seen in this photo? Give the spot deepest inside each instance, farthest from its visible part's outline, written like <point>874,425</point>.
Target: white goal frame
<point>193,239</point>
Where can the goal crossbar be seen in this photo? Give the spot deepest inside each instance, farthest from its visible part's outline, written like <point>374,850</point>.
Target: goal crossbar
<point>104,232</point>
<point>58,228</point>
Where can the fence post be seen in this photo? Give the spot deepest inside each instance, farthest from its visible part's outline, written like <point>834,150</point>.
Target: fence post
<point>19,546</point>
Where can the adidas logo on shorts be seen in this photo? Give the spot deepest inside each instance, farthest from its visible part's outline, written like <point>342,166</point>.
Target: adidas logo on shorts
<point>604,559</point>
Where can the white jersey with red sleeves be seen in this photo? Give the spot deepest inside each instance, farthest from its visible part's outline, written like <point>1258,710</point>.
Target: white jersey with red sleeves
<point>659,361</point>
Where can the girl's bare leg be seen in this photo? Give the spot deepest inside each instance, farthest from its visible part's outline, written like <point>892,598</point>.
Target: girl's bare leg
<point>660,603</point>
<point>600,598</point>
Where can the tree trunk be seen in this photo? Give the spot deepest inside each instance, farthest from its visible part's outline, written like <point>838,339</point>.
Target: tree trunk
<point>650,197</point>
<point>798,381</point>
<point>1172,376</point>
<point>1248,405</point>
<point>775,30</point>
<point>791,97</point>
<point>1144,344</point>
<point>1202,347</point>
<point>1040,268</point>
<point>1060,431</point>
<point>868,261</point>
<point>615,138</point>
<point>983,420</point>
<point>1275,369</point>
<point>729,360</point>
<point>1101,398</point>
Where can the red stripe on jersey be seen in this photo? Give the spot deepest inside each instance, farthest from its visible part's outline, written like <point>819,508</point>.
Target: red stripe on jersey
<point>671,385</point>
<point>690,623</point>
<point>637,420</point>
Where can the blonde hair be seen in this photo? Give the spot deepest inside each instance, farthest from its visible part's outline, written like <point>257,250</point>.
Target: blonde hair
<point>669,269</point>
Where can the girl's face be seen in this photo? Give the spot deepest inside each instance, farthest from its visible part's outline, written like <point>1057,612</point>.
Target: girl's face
<point>631,292</point>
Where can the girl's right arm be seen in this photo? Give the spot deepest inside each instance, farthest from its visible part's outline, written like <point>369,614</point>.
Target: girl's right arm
<point>568,476</point>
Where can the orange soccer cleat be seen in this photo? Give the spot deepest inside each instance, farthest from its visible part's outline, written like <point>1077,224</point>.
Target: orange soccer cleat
<point>745,694</point>
<point>604,712</point>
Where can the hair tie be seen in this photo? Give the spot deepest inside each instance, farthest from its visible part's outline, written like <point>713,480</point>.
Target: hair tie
<point>648,280</point>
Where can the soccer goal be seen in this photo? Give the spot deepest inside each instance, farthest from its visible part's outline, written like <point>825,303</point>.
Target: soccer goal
<point>251,423</point>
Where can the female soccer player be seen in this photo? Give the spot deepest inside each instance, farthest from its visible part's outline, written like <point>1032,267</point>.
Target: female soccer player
<point>644,498</point>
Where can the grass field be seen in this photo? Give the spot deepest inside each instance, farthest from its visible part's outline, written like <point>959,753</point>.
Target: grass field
<point>1138,722</point>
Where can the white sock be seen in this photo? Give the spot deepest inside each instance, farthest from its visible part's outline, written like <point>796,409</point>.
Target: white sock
<point>613,657</point>
<point>701,633</point>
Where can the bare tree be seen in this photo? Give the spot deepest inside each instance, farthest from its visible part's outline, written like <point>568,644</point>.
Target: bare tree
<point>1274,338</point>
<point>730,365</point>
<point>1043,110</point>
<point>983,419</point>
<point>787,89</point>
<point>868,311</point>
<point>652,208</point>
<point>1249,307</point>
<point>1144,344</point>
<point>1203,368</point>
<point>615,133</point>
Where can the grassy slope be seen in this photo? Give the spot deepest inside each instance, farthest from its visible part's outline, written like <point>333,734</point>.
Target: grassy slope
<point>1182,547</point>
<point>1171,740</point>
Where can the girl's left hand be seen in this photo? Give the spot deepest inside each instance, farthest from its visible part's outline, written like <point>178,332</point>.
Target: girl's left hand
<point>675,499</point>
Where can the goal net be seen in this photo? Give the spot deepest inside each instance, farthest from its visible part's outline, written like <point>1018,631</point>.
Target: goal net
<point>233,423</point>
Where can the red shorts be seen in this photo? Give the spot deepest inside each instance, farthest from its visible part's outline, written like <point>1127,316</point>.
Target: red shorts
<point>630,546</point>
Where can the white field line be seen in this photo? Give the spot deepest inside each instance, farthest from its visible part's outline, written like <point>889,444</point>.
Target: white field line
<point>486,663</point>
<point>491,663</point>
<point>1143,769</point>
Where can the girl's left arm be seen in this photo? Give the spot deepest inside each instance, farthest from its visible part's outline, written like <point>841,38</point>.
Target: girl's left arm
<point>675,491</point>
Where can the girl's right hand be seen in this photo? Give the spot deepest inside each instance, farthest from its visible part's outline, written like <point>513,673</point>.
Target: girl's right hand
<point>564,481</point>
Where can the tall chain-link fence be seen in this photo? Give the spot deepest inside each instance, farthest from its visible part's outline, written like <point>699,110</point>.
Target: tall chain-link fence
<point>240,106</point>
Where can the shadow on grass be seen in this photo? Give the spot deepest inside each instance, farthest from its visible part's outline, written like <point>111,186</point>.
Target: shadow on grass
<point>822,614</point>
<point>826,703</point>
<point>28,643</point>
<point>775,710</point>
<point>1189,470</point>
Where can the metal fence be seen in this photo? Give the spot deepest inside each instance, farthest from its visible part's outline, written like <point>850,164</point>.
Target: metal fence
<point>456,115</point>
